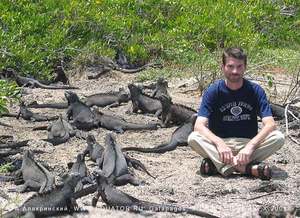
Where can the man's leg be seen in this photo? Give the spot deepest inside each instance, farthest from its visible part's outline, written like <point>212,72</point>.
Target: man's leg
<point>206,149</point>
<point>273,142</point>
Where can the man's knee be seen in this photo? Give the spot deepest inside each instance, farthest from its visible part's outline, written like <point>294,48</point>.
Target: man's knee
<point>278,139</point>
<point>194,138</point>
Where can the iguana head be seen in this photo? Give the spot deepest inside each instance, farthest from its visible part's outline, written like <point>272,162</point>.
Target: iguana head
<point>90,139</point>
<point>79,157</point>
<point>123,95</point>
<point>162,82</point>
<point>9,72</point>
<point>110,139</point>
<point>71,96</point>
<point>72,180</point>
<point>134,90</point>
<point>100,177</point>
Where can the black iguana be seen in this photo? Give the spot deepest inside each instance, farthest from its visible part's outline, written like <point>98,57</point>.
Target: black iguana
<point>81,114</point>
<point>94,150</point>
<point>119,124</point>
<point>110,99</point>
<point>35,175</point>
<point>114,163</point>
<point>59,201</point>
<point>161,88</point>
<point>58,105</point>
<point>136,164</point>
<point>96,153</point>
<point>32,83</point>
<point>115,198</point>
<point>29,115</point>
<point>143,102</point>
<point>60,131</point>
<point>174,113</point>
<point>122,64</point>
<point>79,167</point>
<point>179,137</point>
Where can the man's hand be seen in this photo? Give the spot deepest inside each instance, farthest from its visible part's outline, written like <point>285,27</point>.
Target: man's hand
<point>244,156</point>
<point>225,153</point>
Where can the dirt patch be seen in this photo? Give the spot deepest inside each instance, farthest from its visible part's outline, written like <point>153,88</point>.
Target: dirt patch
<point>178,181</point>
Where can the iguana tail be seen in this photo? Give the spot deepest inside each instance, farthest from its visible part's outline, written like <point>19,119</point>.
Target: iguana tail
<point>134,126</point>
<point>48,105</point>
<point>158,149</point>
<point>56,87</point>
<point>4,124</point>
<point>144,205</point>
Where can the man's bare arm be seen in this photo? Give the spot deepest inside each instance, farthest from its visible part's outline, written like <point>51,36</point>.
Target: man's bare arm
<point>225,152</point>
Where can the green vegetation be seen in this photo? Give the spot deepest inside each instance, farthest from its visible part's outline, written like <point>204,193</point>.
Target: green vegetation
<point>181,34</point>
<point>8,93</point>
<point>5,168</point>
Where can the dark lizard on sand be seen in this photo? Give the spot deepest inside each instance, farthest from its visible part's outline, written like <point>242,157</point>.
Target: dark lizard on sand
<point>174,113</point>
<point>81,115</point>
<point>29,115</point>
<point>58,105</point>
<point>115,198</point>
<point>179,137</point>
<point>35,175</point>
<point>110,99</point>
<point>114,163</point>
<point>96,154</point>
<point>59,201</point>
<point>79,167</point>
<point>161,88</point>
<point>32,83</point>
<point>60,131</point>
<point>119,124</point>
<point>143,102</point>
<point>94,150</point>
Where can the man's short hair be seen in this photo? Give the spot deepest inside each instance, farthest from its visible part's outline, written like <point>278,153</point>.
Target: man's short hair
<point>234,52</point>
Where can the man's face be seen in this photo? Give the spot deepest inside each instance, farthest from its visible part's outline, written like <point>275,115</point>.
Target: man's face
<point>234,69</point>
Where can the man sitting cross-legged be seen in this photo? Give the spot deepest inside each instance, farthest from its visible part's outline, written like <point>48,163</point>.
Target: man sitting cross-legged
<point>226,130</point>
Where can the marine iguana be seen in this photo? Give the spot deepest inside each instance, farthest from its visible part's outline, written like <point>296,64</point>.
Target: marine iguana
<point>174,113</point>
<point>32,83</point>
<point>143,102</point>
<point>35,176</point>
<point>60,75</point>
<point>58,105</point>
<point>119,124</point>
<point>94,150</point>
<point>110,99</point>
<point>161,88</point>
<point>81,114</point>
<point>79,167</point>
<point>59,201</point>
<point>29,115</point>
<point>136,164</point>
<point>179,137</point>
<point>114,164</point>
<point>117,199</point>
<point>60,131</point>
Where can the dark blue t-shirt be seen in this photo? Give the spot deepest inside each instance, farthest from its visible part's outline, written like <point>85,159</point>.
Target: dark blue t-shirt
<point>233,113</point>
